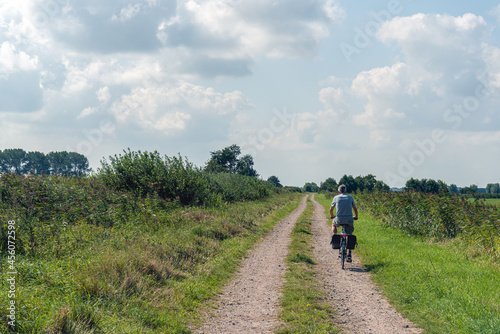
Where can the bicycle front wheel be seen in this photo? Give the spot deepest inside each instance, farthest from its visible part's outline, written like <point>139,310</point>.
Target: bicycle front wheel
<point>342,257</point>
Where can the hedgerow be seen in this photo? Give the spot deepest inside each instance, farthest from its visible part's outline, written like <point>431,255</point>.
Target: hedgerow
<point>176,179</point>
<point>130,183</point>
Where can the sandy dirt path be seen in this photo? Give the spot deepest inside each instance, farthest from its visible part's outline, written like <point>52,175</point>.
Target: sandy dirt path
<point>360,306</point>
<point>250,302</point>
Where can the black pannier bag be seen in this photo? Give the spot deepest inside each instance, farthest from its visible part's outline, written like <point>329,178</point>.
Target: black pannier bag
<point>351,241</point>
<point>335,242</point>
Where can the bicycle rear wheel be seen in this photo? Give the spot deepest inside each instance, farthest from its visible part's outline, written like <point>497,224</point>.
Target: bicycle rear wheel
<point>343,254</point>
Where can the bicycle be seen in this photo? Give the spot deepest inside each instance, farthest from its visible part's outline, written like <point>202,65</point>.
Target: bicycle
<point>343,242</point>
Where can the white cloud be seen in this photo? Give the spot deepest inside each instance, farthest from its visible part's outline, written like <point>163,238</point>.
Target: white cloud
<point>440,43</point>
<point>443,59</point>
<point>170,109</point>
<point>383,88</point>
<point>13,61</point>
<point>273,29</point>
<point>127,13</point>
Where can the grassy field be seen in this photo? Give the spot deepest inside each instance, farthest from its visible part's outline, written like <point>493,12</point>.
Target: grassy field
<point>150,273</point>
<point>304,309</point>
<point>493,201</point>
<point>440,289</point>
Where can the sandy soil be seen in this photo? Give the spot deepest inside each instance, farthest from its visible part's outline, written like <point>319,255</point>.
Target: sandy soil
<point>250,302</point>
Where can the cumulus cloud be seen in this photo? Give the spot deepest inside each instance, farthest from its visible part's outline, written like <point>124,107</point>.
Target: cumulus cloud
<point>19,81</point>
<point>170,109</point>
<point>226,34</point>
<point>13,61</point>
<point>434,42</point>
<point>444,62</point>
<point>270,28</point>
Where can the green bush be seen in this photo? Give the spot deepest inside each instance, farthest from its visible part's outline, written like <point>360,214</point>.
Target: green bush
<point>235,187</point>
<point>175,179</point>
<point>148,174</point>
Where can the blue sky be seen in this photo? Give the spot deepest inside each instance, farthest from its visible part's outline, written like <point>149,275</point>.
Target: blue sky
<point>310,88</point>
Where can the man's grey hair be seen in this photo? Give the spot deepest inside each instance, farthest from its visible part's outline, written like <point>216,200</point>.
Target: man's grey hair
<point>342,189</point>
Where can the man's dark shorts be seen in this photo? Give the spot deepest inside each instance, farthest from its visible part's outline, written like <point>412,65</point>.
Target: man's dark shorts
<point>346,224</point>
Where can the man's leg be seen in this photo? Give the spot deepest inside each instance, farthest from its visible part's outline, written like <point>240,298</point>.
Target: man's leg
<point>349,229</point>
<point>334,226</point>
<point>334,229</point>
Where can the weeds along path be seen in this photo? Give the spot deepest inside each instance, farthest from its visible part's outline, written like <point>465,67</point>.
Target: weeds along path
<point>360,307</point>
<point>250,302</point>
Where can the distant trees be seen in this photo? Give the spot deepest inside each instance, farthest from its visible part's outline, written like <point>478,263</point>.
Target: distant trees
<point>310,187</point>
<point>329,185</point>
<point>275,181</point>
<point>472,189</point>
<point>349,182</point>
<point>227,161</point>
<point>426,186</point>
<point>493,188</point>
<point>21,162</point>
<point>353,184</point>
<point>453,188</point>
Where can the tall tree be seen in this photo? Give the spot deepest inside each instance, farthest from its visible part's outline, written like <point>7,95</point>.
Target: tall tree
<point>472,189</point>
<point>226,160</point>
<point>453,188</point>
<point>244,166</point>
<point>37,163</point>
<point>349,182</point>
<point>58,163</point>
<point>311,187</point>
<point>493,188</point>
<point>443,187</point>
<point>13,160</point>
<point>78,164</point>
<point>381,186</point>
<point>369,182</point>
<point>329,185</point>
<point>274,180</point>
<point>430,186</point>
<point>413,185</point>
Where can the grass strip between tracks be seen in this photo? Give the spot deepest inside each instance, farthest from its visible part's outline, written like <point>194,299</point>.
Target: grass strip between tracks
<point>438,288</point>
<point>304,308</point>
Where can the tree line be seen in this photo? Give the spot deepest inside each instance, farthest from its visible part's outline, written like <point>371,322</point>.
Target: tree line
<point>20,162</point>
<point>433,187</point>
<point>359,183</point>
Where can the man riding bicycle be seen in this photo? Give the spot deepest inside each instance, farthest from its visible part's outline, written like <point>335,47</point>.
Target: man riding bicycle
<point>345,205</point>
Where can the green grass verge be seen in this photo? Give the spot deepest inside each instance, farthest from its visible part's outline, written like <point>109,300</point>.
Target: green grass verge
<point>150,274</point>
<point>493,201</point>
<point>304,308</point>
<point>433,285</point>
